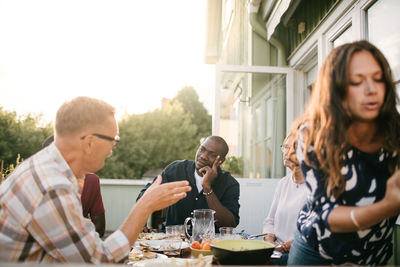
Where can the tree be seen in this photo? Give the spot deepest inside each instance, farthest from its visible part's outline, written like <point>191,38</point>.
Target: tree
<point>148,141</point>
<point>151,140</point>
<point>199,116</point>
<point>20,136</point>
<point>155,139</point>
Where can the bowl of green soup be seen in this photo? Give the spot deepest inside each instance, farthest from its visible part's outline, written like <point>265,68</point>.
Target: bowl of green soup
<point>242,252</point>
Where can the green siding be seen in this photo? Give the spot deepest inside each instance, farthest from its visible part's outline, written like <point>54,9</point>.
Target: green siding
<point>312,12</point>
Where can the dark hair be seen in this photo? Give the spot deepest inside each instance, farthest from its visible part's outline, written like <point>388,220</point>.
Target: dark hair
<point>327,120</point>
<point>221,141</point>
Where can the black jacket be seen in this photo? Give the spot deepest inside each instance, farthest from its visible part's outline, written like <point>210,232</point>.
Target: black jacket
<point>225,188</point>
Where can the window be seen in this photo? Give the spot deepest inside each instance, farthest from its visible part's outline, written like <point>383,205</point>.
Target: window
<point>268,135</point>
<point>261,98</point>
<point>342,30</point>
<point>310,72</point>
<point>228,16</point>
<point>344,37</point>
<point>382,30</point>
<point>383,27</point>
<point>258,145</point>
<point>269,119</point>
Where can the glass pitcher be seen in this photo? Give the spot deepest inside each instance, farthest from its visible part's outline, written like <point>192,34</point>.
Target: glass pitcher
<point>202,225</point>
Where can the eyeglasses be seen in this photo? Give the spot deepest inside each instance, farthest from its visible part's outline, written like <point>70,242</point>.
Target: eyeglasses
<point>105,137</point>
<point>284,148</point>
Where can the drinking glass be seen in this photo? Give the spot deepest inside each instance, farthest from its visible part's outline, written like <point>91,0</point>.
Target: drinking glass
<point>174,240</point>
<point>226,232</point>
<point>180,231</point>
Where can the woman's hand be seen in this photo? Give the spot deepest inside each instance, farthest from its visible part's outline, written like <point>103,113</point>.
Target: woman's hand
<point>270,238</point>
<point>286,246</point>
<point>344,219</point>
<point>392,196</point>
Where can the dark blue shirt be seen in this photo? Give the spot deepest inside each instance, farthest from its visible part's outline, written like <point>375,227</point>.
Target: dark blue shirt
<point>365,175</point>
<point>225,188</point>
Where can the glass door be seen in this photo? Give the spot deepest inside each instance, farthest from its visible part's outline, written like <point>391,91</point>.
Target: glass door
<point>253,110</point>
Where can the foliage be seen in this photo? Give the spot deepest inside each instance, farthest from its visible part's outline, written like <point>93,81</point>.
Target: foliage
<point>20,136</point>
<point>233,165</point>
<point>199,116</point>
<point>151,140</point>
<point>148,141</point>
<point>155,139</point>
<point>4,172</point>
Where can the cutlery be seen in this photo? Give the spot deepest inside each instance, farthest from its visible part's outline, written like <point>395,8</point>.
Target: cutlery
<point>258,235</point>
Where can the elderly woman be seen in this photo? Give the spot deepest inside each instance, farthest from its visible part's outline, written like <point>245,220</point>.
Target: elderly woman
<point>289,198</point>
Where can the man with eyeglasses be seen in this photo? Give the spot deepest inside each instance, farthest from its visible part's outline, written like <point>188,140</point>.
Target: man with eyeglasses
<point>40,210</point>
<point>91,199</point>
<point>213,188</point>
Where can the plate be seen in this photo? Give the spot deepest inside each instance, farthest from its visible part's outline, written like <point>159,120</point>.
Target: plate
<point>175,262</point>
<point>151,236</point>
<point>158,245</point>
<point>136,255</point>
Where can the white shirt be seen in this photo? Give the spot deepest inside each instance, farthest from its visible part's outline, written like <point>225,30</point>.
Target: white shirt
<point>198,180</point>
<point>289,198</point>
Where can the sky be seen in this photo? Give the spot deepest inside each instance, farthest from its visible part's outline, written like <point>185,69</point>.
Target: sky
<point>128,53</point>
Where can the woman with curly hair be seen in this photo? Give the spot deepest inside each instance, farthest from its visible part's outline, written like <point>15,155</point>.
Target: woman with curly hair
<point>348,144</point>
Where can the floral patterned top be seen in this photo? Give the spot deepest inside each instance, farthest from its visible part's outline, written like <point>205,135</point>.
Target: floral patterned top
<point>366,175</point>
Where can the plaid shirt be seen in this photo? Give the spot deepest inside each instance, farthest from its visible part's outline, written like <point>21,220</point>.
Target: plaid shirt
<point>41,216</point>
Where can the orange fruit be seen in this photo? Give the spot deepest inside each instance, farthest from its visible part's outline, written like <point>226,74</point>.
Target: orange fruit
<point>196,245</point>
<point>205,246</point>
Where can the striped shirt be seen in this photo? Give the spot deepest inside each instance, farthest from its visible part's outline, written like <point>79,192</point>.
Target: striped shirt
<point>41,216</point>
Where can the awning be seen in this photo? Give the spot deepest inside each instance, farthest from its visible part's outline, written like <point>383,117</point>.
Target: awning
<point>274,19</point>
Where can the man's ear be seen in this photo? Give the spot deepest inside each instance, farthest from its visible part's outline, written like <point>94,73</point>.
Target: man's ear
<point>87,144</point>
<point>221,160</point>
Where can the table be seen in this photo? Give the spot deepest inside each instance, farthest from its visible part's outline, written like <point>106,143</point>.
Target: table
<point>186,253</point>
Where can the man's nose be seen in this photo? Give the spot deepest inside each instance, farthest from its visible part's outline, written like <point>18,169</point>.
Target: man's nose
<point>204,155</point>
